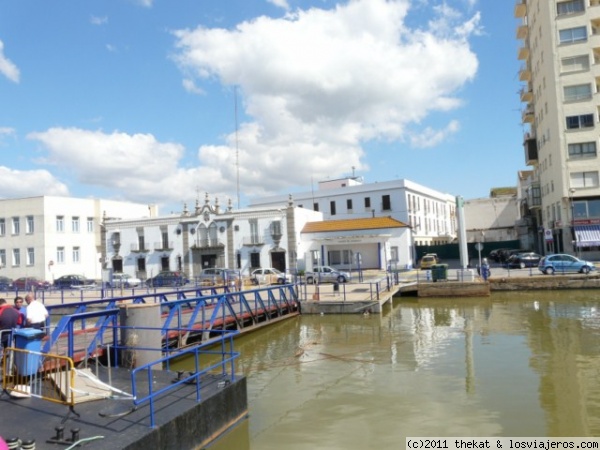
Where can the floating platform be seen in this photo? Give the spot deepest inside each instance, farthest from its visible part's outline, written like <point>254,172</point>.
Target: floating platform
<point>181,421</point>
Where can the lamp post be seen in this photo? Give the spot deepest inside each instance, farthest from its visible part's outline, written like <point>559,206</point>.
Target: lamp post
<point>574,233</point>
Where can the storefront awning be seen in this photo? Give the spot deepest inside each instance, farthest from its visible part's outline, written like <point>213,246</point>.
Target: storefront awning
<point>587,235</point>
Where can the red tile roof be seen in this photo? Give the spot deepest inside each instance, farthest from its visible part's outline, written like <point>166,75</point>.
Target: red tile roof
<point>370,223</point>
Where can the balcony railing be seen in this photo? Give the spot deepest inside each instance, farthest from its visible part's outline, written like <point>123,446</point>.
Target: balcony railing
<point>253,240</point>
<point>207,243</point>
<point>139,248</point>
<point>521,8</point>
<point>163,245</point>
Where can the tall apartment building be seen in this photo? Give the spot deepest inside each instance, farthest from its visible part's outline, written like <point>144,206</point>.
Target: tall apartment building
<point>560,54</point>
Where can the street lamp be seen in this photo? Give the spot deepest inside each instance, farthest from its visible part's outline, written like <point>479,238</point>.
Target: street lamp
<point>573,232</point>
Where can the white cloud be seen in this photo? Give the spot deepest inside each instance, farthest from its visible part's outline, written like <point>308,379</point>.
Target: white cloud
<point>318,84</point>
<point>190,86</point>
<point>95,20</point>
<point>280,4</point>
<point>7,67</point>
<point>430,137</point>
<point>26,183</point>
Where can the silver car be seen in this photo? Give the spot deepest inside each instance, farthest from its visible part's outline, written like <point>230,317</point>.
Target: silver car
<point>326,274</point>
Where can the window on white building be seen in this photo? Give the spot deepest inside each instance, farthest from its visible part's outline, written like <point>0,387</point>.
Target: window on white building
<point>60,224</point>
<point>75,224</point>
<point>16,225</point>
<point>584,179</point>
<point>16,257</point>
<point>254,235</point>
<point>569,7</point>
<point>2,227</point>
<point>386,203</point>
<point>582,149</point>
<point>2,258</point>
<point>76,255</point>
<point>575,63</point>
<point>29,225</point>
<point>582,121</point>
<point>571,35</point>
<point>30,256</point>
<point>90,224</point>
<point>578,92</point>
<point>60,255</point>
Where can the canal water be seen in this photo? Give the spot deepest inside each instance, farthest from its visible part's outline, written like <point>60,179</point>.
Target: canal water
<point>513,364</point>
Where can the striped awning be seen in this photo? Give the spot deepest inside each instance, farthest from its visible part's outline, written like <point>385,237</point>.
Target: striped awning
<point>587,235</point>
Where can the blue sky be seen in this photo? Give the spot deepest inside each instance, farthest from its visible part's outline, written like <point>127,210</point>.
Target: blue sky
<point>136,99</point>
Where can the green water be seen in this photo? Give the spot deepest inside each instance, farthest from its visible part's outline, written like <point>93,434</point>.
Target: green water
<point>518,364</point>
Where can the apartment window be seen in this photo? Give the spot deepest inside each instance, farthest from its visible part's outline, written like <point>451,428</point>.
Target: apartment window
<point>29,225</point>
<point>2,258</point>
<point>253,231</point>
<point>141,264</point>
<point>571,35</point>
<point>2,227</point>
<point>16,225</point>
<point>60,224</point>
<point>585,209</point>
<point>570,7</point>
<point>60,255</point>
<point>367,203</point>
<point>583,121</point>
<point>276,228</point>
<point>584,179</point>
<point>16,257</point>
<point>582,149</point>
<point>255,259</point>
<point>349,205</point>
<point>90,224</point>
<point>578,92</point>
<point>75,224</point>
<point>141,243</point>
<point>76,255</point>
<point>165,239</point>
<point>30,256</point>
<point>575,63</point>
<point>386,203</point>
<point>332,208</point>
<point>315,206</point>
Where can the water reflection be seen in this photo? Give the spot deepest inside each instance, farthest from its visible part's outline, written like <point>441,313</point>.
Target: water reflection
<point>516,364</point>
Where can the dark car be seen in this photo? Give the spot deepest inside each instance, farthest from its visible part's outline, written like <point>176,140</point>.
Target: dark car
<point>73,281</point>
<point>495,254</point>
<point>523,260</point>
<point>30,283</point>
<point>5,283</point>
<point>167,278</point>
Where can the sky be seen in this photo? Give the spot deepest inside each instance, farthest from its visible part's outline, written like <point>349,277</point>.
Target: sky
<point>163,101</point>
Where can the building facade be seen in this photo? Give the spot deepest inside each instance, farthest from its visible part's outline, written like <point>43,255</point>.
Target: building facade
<point>560,55</point>
<point>47,237</point>
<point>430,214</point>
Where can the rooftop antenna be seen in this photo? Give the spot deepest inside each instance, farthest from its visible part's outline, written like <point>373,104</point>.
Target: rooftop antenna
<point>353,174</point>
<point>237,149</point>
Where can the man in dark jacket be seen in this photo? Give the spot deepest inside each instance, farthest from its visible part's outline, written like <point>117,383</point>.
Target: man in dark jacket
<point>9,319</point>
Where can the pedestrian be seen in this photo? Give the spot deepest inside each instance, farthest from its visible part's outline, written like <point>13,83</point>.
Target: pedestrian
<point>19,306</point>
<point>8,320</point>
<point>36,313</point>
<point>485,269</point>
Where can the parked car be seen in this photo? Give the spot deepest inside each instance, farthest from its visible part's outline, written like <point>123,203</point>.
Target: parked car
<point>123,280</point>
<point>167,278</point>
<point>5,283</point>
<point>497,254</point>
<point>73,281</point>
<point>30,283</point>
<point>564,263</point>
<point>326,274</point>
<point>428,260</point>
<point>269,275</point>
<point>213,276</point>
<point>523,260</point>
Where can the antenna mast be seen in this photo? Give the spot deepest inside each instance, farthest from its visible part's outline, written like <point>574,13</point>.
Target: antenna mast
<point>237,149</point>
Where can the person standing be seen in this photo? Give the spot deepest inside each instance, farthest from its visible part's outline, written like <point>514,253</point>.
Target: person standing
<point>18,305</point>
<point>8,320</point>
<point>36,313</point>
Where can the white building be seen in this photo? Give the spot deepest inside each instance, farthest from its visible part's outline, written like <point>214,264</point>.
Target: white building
<point>560,53</point>
<point>429,213</point>
<point>492,219</point>
<point>286,237</point>
<point>46,237</point>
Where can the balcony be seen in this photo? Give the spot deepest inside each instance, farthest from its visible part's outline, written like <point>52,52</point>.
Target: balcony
<point>137,248</point>
<point>521,8</point>
<point>253,240</point>
<point>531,151</point>
<point>525,73</point>
<point>526,95</point>
<point>534,197</point>
<point>528,115</point>
<point>523,53</point>
<point>523,31</point>
<point>161,246</point>
<point>207,243</point>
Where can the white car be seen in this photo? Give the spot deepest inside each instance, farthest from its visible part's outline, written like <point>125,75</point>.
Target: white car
<point>120,280</point>
<point>270,275</point>
<point>326,274</point>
